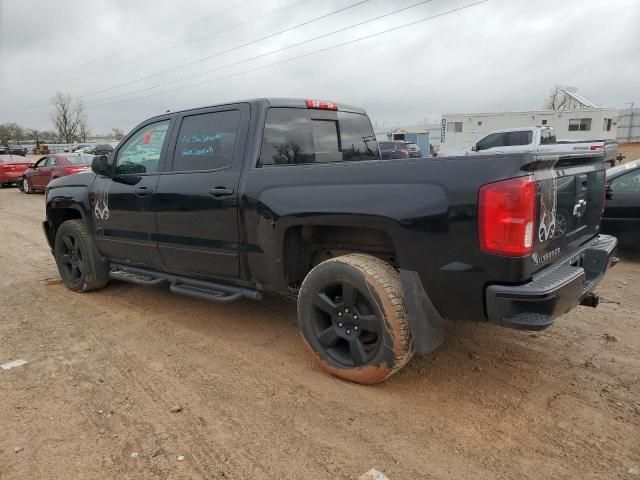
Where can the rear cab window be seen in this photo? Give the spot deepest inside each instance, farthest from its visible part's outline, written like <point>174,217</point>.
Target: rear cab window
<point>207,141</point>
<point>303,136</point>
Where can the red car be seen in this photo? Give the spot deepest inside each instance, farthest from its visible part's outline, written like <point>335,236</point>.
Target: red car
<point>12,168</point>
<point>38,176</point>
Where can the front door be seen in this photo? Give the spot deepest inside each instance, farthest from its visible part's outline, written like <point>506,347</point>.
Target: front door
<point>42,173</point>
<point>196,201</point>
<point>125,224</point>
<point>622,210</point>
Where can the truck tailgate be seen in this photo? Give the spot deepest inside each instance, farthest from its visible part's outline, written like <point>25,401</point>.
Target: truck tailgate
<point>571,192</point>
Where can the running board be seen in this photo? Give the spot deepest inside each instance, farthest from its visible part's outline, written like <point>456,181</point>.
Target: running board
<point>216,292</point>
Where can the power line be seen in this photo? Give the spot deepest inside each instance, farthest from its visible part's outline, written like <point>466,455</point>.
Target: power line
<point>287,47</point>
<point>334,12</point>
<point>202,59</point>
<point>349,42</point>
<point>145,42</point>
<point>197,39</point>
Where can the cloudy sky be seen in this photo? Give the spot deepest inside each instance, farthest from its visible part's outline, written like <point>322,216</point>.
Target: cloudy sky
<point>131,59</point>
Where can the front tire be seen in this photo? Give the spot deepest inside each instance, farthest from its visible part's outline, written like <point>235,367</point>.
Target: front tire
<point>26,186</point>
<point>79,263</point>
<point>353,319</point>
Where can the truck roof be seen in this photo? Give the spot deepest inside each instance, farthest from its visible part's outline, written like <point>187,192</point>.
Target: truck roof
<point>519,129</point>
<point>281,102</point>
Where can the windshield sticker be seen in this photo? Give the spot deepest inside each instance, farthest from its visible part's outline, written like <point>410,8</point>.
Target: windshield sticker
<point>101,198</point>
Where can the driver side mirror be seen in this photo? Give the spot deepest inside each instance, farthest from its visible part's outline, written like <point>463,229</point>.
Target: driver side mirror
<point>32,165</point>
<point>100,165</point>
<point>474,148</point>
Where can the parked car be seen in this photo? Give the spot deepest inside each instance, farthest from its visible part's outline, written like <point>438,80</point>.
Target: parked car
<point>389,150</point>
<point>12,168</point>
<point>13,150</point>
<point>102,149</point>
<point>76,148</point>
<point>414,150</point>
<point>621,214</point>
<point>399,149</point>
<point>534,140</point>
<point>292,198</point>
<point>38,175</point>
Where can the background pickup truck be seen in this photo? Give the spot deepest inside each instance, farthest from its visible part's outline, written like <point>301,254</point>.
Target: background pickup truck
<point>291,197</point>
<point>535,140</point>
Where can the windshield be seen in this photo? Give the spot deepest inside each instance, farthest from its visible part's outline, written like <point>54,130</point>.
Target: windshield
<point>622,168</point>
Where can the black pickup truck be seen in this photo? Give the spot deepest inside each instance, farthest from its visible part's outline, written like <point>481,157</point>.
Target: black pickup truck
<point>291,197</point>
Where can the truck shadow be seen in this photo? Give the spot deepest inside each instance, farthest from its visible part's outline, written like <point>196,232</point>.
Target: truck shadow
<point>472,352</point>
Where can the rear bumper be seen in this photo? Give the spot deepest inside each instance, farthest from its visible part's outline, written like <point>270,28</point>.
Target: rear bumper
<point>10,177</point>
<point>553,292</point>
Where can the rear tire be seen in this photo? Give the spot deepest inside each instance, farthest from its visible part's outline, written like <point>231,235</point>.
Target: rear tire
<point>353,319</point>
<point>81,267</point>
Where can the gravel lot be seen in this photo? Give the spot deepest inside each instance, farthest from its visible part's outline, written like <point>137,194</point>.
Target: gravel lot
<point>105,369</point>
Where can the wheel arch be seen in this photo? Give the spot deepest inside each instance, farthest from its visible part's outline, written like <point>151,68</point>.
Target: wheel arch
<point>56,216</point>
<point>306,245</point>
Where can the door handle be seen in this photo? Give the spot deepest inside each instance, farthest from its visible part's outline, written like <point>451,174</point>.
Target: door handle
<point>221,191</point>
<point>142,191</point>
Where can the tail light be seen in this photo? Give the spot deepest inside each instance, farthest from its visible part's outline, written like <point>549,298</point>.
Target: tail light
<point>597,147</point>
<point>72,170</point>
<point>507,216</point>
<point>321,105</point>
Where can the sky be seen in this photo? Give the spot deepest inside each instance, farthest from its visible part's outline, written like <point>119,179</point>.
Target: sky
<point>128,60</point>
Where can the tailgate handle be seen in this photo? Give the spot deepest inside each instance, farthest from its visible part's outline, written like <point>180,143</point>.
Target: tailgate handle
<point>582,182</point>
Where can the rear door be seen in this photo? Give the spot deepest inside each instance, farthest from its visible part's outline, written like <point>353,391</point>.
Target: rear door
<point>196,201</point>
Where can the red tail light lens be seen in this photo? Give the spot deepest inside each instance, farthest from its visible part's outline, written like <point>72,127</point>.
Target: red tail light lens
<point>507,216</point>
<point>597,147</point>
<point>321,105</point>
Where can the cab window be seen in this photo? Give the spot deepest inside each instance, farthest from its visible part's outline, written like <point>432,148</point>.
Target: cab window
<point>293,136</point>
<point>141,153</point>
<point>206,141</point>
<point>491,141</point>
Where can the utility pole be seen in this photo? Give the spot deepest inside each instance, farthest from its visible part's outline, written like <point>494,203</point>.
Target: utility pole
<point>630,123</point>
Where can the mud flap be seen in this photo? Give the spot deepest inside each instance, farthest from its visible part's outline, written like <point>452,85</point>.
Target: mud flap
<point>426,323</point>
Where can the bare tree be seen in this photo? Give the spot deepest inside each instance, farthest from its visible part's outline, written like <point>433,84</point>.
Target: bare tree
<point>117,134</point>
<point>558,98</point>
<point>67,116</point>
<point>11,131</point>
<point>83,130</point>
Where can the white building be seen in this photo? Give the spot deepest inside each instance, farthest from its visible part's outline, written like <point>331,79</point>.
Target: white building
<point>590,123</point>
<point>579,119</point>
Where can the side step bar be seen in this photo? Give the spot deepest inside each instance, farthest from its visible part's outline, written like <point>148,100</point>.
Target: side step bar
<point>216,292</point>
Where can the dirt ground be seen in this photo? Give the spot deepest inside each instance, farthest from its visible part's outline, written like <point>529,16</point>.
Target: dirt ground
<point>631,151</point>
<point>105,368</point>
